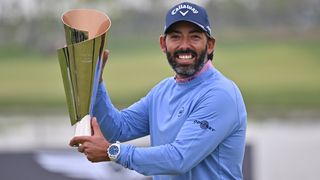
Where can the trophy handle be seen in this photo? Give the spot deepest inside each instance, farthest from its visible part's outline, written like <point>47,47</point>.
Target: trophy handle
<point>83,127</point>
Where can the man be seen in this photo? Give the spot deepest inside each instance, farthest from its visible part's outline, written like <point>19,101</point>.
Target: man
<point>196,120</point>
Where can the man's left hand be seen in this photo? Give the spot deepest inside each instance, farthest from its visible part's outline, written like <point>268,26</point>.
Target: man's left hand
<point>95,146</point>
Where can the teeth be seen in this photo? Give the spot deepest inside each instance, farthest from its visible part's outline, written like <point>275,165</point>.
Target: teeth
<point>185,56</point>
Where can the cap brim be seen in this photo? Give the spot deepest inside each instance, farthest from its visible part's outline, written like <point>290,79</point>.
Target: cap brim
<point>187,20</point>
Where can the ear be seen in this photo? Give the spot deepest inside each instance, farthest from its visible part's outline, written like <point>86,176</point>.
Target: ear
<point>211,45</point>
<point>163,45</point>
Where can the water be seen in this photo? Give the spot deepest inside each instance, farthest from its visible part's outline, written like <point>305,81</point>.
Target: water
<point>281,149</point>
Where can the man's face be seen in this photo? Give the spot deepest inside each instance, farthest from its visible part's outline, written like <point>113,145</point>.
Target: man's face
<point>186,48</point>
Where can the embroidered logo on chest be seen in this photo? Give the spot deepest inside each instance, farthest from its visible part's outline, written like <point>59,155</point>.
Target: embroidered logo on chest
<point>180,112</point>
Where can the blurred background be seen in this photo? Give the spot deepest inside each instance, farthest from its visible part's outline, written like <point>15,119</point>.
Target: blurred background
<point>269,48</point>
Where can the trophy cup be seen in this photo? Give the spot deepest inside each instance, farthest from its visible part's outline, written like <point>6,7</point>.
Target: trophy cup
<point>81,63</point>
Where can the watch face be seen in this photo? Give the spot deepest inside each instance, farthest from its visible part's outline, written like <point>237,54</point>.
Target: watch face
<point>113,150</point>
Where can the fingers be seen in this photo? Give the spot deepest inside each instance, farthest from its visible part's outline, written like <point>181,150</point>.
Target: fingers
<point>81,148</point>
<point>93,154</point>
<point>76,141</point>
<point>104,61</point>
<point>105,57</point>
<point>96,128</point>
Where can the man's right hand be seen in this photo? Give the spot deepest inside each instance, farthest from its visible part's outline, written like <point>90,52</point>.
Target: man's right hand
<point>104,61</point>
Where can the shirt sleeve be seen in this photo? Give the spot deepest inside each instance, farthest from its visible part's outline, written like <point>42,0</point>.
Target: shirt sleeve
<point>121,125</point>
<point>213,119</point>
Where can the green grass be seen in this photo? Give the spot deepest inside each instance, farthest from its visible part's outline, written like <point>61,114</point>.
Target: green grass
<point>282,74</point>
<point>274,73</point>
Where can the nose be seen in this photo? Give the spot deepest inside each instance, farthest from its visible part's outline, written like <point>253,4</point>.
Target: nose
<point>185,44</point>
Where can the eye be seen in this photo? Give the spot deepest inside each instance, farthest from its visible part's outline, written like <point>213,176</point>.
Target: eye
<point>195,37</point>
<point>174,36</point>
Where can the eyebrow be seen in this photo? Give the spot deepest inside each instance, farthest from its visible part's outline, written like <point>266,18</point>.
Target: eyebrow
<point>196,31</point>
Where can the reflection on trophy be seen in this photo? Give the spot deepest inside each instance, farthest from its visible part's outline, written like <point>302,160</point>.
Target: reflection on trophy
<point>81,62</point>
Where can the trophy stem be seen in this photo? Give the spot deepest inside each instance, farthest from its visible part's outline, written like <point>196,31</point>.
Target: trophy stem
<point>83,127</point>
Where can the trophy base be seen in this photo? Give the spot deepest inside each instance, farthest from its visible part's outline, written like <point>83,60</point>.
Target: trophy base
<point>83,127</point>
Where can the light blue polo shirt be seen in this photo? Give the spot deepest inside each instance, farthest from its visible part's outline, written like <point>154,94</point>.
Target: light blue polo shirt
<point>197,128</point>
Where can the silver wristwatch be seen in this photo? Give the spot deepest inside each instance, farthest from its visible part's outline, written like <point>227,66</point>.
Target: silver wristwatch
<point>113,151</point>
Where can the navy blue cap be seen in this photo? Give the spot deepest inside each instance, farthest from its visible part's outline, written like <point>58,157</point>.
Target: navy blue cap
<point>190,12</point>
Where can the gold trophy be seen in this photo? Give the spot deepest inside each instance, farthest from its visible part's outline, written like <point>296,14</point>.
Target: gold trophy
<point>81,63</point>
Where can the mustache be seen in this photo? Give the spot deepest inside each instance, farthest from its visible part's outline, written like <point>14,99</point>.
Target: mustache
<point>186,51</point>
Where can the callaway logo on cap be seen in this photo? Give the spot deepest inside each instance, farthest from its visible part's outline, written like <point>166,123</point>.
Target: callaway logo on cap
<point>188,12</point>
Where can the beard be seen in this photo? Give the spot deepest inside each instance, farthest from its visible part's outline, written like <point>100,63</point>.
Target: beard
<point>186,71</point>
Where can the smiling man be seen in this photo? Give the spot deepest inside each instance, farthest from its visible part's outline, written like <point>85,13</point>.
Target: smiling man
<point>187,48</point>
<point>196,120</point>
